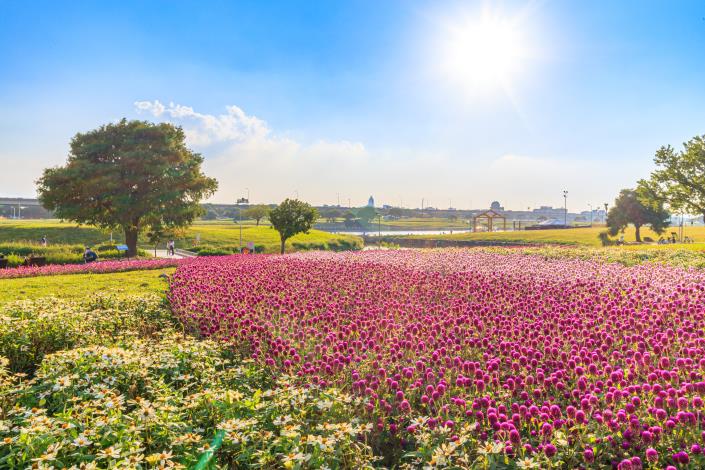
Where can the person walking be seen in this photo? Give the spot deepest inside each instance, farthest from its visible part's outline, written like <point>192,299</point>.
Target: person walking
<point>170,248</point>
<point>44,240</point>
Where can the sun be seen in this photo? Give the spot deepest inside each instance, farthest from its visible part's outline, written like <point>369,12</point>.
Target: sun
<point>483,52</point>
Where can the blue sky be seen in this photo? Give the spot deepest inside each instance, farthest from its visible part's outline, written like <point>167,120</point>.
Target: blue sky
<point>341,99</point>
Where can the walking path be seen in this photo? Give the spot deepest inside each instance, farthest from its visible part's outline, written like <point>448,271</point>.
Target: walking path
<point>164,254</point>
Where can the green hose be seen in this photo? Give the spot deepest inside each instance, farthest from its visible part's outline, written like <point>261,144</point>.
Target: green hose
<point>207,457</point>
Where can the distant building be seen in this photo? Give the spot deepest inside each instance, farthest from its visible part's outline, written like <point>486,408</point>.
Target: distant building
<point>371,202</point>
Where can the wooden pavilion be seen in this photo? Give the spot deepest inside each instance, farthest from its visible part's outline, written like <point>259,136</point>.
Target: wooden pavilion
<point>490,216</point>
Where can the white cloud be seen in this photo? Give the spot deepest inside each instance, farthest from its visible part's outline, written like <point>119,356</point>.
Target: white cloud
<point>206,129</point>
<point>241,150</point>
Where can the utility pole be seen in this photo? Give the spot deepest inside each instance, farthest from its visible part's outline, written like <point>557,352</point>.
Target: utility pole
<point>565,207</point>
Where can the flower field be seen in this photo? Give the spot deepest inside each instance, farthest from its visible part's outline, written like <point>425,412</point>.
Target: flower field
<point>470,358</point>
<point>95,268</point>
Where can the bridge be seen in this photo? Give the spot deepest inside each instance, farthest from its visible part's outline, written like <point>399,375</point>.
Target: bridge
<point>19,201</point>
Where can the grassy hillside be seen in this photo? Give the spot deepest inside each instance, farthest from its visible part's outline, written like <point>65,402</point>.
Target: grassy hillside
<point>217,234</point>
<point>577,236</point>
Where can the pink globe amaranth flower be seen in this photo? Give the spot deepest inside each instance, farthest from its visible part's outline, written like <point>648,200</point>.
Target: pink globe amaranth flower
<point>681,457</point>
<point>589,455</point>
<point>514,436</point>
<point>550,450</point>
<point>651,454</point>
<point>625,464</point>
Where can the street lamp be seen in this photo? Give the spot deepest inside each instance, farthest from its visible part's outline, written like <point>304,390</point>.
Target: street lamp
<point>605,216</point>
<point>565,207</point>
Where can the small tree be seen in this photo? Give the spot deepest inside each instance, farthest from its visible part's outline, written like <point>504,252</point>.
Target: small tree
<point>130,175</point>
<point>256,213</point>
<point>291,217</point>
<point>367,213</point>
<point>634,207</point>
<point>680,177</point>
<point>330,214</point>
<point>157,233</point>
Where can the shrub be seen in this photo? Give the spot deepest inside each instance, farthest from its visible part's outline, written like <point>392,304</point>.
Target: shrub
<point>56,253</point>
<point>159,404</point>
<point>30,329</point>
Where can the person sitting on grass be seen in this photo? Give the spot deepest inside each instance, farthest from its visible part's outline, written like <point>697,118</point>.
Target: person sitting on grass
<point>89,255</point>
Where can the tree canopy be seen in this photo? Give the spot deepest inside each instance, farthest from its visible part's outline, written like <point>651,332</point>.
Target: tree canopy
<point>131,175</point>
<point>367,213</point>
<point>256,213</point>
<point>291,217</point>
<point>636,208</point>
<point>679,178</point>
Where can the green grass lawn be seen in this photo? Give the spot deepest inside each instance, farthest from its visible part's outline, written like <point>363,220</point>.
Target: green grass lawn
<point>430,223</point>
<point>81,286</point>
<point>576,236</point>
<point>228,234</point>
<point>214,233</point>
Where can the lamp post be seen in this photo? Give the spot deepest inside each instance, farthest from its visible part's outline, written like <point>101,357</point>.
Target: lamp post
<point>565,208</point>
<point>604,219</point>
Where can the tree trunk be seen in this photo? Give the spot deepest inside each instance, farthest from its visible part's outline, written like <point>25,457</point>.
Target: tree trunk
<point>638,233</point>
<point>257,224</point>
<point>131,241</point>
<point>283,245</point>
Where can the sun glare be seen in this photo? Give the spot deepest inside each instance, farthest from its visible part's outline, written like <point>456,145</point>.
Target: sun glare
<point>483,52</point>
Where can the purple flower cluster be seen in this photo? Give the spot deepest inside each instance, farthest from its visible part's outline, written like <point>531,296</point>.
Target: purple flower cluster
<point>521,348</point>
<point>97,267</point>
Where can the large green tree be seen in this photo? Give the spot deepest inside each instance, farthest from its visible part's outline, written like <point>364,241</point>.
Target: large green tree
<point>636,208</point>
<point>291,217</point>
<point>679,178</point>
<point>130,175</point>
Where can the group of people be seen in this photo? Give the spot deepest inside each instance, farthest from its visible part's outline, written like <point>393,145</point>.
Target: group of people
<point>673,239</point>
